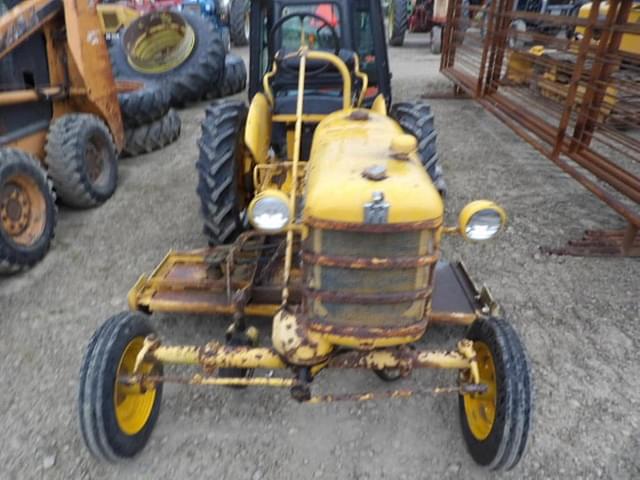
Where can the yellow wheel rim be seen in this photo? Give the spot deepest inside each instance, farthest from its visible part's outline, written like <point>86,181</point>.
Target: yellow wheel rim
<point>480,409</point>
<point>159,42</point>
<point>133,407</point>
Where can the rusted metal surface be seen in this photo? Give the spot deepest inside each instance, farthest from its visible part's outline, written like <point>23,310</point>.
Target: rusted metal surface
<point>20,22</point>
<point>367,263</point>
<point>602,243</point>
<point>568,85</point>
<point>376,298</point>
<point>363,332</point>
<point>373,228</point>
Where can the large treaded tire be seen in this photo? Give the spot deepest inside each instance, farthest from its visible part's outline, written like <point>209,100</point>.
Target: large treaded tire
<point>398,22</point>
<point>152,136</point>
<point>18,256</point>
<point>417,119</point>
<point>237,18</point>
<point>506,442</point>
<point>235,78</point>
<point>192,79</point>
<point>145,105</point>
<point>98,423</point>
<point>218,166</point>
<point>69,143</point>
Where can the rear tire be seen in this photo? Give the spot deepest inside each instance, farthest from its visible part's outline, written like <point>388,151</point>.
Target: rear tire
<point>219,168</point>
<point>239,22</point>
<point>27,211</point>
<point>143,106</point>
<point>116,425</point>
<point>417,119</point>
<point>82,160</point>
<point>235,78</point>
<point>152,136</point>
<point>190,80</point>
<point>495,425</point>
<point>398,22</point>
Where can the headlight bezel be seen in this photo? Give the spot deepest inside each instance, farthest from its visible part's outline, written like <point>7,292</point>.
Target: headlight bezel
<point>472,211</point>
<point>278,199</point>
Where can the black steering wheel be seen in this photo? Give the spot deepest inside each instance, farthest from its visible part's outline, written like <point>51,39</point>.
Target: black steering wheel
<point>302,15</point>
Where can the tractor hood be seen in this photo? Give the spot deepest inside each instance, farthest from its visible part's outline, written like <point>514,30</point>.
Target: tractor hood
<point>352,163</point>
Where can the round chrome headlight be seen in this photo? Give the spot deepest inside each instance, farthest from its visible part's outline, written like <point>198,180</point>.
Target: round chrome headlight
<point>481,220</point>
<point>269,211</point>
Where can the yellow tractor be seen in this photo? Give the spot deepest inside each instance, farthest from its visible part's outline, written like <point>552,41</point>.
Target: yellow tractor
<point>333,226</point>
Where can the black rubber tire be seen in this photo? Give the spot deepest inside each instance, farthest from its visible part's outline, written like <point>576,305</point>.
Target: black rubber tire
<point>235,78</point>
<point>219,170</point>
<point>98,425</point>
<point>13,256</point>
<point>145,105</point>
<point>152,136</point>
<point>189,81</point>
<point>507,440</point>
<point>399,24</point>
<point>68,143</point>
<point>417,119</point>
<point>436,40</point>
<point>237,17</point>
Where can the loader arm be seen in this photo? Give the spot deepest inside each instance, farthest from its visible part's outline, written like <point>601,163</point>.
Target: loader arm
<point>23,20</point>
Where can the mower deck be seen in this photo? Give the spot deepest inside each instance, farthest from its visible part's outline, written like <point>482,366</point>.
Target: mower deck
<point>185,282</point>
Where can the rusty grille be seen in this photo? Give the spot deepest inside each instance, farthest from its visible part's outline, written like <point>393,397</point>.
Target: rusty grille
<point>358,279</point>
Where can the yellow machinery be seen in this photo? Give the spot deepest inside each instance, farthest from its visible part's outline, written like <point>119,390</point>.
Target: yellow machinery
<point>343,254</point>
<point>549,70</point>
<point>59,121</point>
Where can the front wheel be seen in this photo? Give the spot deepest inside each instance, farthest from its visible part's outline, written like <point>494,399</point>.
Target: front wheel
<point>116,420</point>
<point>496,423</point>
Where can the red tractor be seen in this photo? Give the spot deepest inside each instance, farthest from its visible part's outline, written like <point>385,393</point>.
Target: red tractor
<point>422,16</point>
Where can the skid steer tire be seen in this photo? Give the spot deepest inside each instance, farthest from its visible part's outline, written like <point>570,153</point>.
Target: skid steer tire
<point>143,106</point>
<point>116,425</point>
<point>219,170</point>
<point>499,442</point>
<point>238,22</point>
<point>417,119</point>
<point>398,22</point>
<point>82,160</point>
<point>235,78</point>
<point>191,79</point>
<point>152,136</point>
<point>27,211</point>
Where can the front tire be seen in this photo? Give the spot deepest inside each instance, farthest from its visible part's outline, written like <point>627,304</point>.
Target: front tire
<point>496,424</point>
<point>82,160</point>
<point>219,168</point>
<point>115,422</point>
<point>27,211</point>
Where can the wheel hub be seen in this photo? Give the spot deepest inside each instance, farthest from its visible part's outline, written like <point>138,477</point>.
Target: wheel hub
<point>95,162</point>
<point>15,209</point>
<point>480,408</point>
<point>158,42</point>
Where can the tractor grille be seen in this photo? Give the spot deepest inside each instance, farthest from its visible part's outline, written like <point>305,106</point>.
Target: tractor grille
<point>368,279</point>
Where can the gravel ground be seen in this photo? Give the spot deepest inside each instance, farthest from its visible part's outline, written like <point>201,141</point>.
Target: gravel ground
<point>578,318</point>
